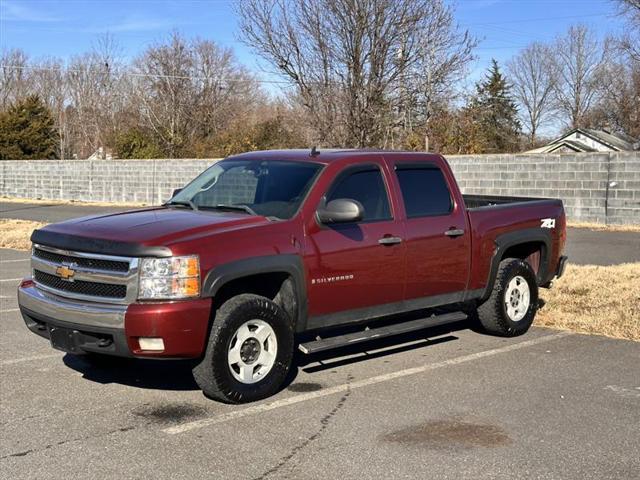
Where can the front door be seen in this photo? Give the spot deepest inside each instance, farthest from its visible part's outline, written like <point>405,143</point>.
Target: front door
<point>355,266</point>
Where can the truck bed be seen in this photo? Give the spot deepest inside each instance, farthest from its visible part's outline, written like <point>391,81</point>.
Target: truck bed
<point>474,202</point>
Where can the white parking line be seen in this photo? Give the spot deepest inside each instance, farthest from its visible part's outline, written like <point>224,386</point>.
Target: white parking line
<point>16,261</point>
<point>30,359</point>
<point>10,310</point>
<point>11,279</point>
<point>225,417</point>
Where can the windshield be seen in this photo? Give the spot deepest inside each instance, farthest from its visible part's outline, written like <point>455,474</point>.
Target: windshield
<point>268,188</point>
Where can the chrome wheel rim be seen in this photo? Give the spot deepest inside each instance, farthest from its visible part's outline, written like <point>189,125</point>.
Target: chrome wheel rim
<point>517,298</point>
<point>252,351</point>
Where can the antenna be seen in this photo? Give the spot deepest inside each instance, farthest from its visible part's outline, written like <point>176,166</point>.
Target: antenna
<point>314,152</point>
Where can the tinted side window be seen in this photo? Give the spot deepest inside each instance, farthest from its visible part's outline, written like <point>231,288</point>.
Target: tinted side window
<point>367,187</point>
<point>424,191</point>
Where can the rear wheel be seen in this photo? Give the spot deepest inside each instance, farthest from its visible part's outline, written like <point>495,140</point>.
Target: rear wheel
<point>249,352</point>
<point>511,308</point>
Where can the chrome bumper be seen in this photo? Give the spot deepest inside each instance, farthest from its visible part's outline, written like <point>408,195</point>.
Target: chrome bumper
<point>51,306</point>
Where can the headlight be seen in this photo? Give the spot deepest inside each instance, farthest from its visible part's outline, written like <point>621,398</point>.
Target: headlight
<point>169,278</point>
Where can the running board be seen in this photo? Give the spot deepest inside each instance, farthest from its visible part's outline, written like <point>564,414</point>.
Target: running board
<point>322,344</point>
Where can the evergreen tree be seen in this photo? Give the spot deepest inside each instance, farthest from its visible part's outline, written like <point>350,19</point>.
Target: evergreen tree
<point>27,131</point>
<point>495,113</point>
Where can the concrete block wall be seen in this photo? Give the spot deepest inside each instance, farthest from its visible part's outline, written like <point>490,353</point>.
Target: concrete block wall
<point>144,181</point>
<point>595,187</point>
<point>624,188</point>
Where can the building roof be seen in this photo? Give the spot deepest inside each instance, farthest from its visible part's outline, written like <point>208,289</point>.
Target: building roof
<point>609,141</point>
<point>619,141</point>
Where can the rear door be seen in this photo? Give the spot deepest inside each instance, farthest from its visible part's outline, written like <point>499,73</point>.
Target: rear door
<point>357,265</point>
<point>438,243</point>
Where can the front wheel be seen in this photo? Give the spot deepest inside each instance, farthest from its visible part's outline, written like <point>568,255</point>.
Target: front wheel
<point>511,308</point>
<point>249,352</point>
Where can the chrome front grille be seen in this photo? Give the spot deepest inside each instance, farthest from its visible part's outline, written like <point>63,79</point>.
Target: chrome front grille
<point>90,263</point>
<point>85,276</point>
<point>94,289</point>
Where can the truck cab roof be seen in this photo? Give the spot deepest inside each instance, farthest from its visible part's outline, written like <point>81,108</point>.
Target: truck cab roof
<point>329,155</point>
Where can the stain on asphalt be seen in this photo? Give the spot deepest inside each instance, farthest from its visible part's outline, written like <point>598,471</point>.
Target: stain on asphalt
<point>304,387</point>
<point>169,412</point>
<point>450,434</point>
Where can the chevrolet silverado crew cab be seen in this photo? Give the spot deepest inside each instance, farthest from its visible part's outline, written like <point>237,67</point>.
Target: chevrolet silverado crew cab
<point>268,251</point>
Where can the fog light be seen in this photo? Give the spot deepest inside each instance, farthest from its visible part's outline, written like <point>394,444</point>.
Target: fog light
<point>148,343</point>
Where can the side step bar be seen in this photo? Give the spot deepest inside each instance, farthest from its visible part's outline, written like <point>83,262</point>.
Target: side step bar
<point>322,344</point>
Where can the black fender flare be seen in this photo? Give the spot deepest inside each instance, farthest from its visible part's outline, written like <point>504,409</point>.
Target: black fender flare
<point>507,240</point>
<point>291,264</point>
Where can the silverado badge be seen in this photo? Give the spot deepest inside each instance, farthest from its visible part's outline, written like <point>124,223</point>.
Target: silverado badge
<point>65,272</point>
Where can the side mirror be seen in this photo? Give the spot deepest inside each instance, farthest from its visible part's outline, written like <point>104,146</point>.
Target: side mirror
<point>175,192</point>
<point>341,210</point>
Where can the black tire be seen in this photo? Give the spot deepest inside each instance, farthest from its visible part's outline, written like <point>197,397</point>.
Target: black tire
<point>213,373</point>
<point>493,315</point>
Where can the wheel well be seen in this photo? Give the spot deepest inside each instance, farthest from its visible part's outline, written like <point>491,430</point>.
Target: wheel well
<point>531,252</point>
<point>276,286</point>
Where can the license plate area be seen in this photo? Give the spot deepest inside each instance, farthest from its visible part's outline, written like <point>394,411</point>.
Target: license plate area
<point>64,339</point>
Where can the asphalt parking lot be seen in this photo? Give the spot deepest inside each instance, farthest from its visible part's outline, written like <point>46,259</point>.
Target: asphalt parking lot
<point>444,403</point>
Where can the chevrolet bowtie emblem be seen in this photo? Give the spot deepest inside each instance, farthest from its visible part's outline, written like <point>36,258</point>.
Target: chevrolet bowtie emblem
<point>65,272</point>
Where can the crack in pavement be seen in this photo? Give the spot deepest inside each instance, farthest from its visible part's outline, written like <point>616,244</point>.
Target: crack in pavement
<point>325,421</point>
<point>71,440</point>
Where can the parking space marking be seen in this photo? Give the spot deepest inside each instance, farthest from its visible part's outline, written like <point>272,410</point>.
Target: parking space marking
<point>30,359</point>
<point>10,310</point>
<point>245,412</point>
<point>16,261</point>
<point>11,279</point>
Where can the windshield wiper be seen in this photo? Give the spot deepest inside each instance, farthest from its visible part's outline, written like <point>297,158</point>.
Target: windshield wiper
<point>186,203</point>
<point>224,206</point>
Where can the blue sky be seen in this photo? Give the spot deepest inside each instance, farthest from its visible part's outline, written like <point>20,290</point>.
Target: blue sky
<point>62,28</point>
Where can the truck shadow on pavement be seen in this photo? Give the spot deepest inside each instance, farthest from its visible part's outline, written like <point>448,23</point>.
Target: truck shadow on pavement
<point>139,373</point>
<point>175,375</point>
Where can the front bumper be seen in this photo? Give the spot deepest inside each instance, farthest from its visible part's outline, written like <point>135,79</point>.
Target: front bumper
<point>80,327</point>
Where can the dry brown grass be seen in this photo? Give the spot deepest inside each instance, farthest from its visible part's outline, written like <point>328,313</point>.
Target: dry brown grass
<point>42,201</point>
<point>595,300</point>
<point>604,228</point>
<point>16,233</point>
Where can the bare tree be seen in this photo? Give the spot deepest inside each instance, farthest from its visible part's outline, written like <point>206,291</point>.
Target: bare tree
<point>444,51</point>
<point>533,75</point>
<point>165,92</point>
<point>224,90</point>
<point>350,62</point>
<point>93,81</point>
<point>578,58</point>
<point>619,107</point>
<point>15,79</point>
<point>185,90</point>
<point>49,83</point>
<point>629,42</point>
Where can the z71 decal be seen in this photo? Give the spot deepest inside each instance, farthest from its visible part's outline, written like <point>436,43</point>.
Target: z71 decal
<point>548,223</point>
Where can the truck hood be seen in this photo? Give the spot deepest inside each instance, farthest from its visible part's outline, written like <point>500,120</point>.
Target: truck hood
<point>148,227</point>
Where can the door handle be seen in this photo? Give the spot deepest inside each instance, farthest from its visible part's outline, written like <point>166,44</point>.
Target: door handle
<point>386,241</point>
<point>454,232</point>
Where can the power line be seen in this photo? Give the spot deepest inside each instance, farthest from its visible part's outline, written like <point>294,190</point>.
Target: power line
<point>143,75</point>
<point>539,19</point>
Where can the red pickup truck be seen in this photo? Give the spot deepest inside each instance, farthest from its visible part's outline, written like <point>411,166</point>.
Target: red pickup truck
<point>266,251</point>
